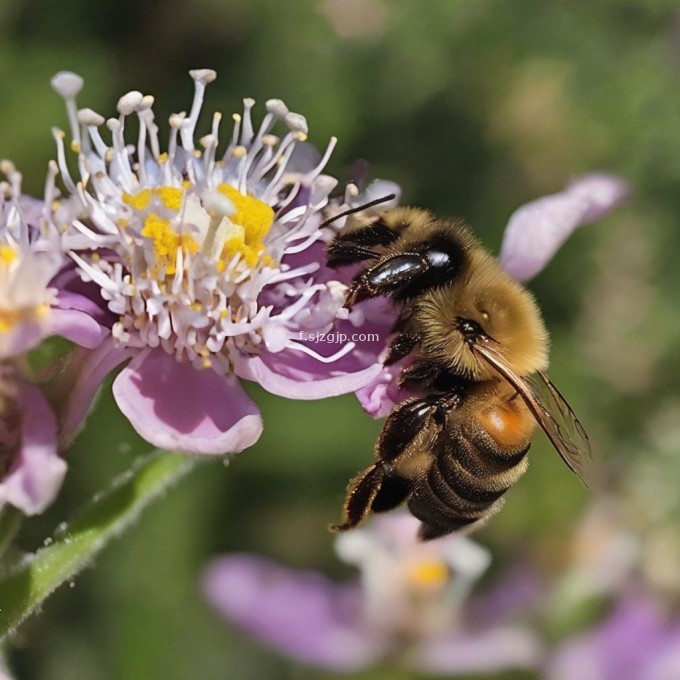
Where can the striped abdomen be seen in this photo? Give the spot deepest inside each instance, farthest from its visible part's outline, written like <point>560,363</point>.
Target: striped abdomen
<point>470,471</point>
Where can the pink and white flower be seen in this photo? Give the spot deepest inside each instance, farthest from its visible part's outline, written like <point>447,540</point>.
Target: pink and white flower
<point>210,264</point>
<point>411,606</point>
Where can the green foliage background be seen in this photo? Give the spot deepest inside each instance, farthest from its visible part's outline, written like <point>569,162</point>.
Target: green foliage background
<point>474,107</point>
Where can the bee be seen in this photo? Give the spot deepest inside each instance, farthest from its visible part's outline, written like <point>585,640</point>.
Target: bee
<point>478,351</point>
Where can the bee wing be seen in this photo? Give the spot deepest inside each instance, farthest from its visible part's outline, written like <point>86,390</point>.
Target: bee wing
<point>551,410</point>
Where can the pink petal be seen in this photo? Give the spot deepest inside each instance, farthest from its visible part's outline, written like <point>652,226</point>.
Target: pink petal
<point>536,231</point>
<point>480,652</point>
<point>23,337</point>
<point>176,406</point>
<point>302,614</point>
<point>295,375</point>
<point>78,327</point>
<point>383,393</point>
<point>85,374</point>
<point>36,472</point>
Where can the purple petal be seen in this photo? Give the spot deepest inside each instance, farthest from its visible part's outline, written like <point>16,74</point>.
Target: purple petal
<point>383,393</point>
<point>176,406</point>
<point>622,648</point>
<point>489,651</point>
<point>21,338</point>
<point>536,231</point>
<point>36,472</point>
<point>295,375</point>
<point>86,371</point>
<point>83,296</point>
<point>78,327</point>
<point>302,614</point>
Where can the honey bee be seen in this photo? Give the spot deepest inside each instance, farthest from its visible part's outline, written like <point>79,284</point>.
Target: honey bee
<point>479,350</point>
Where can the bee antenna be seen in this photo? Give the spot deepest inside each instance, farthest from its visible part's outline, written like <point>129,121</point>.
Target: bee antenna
<point>357,209</point>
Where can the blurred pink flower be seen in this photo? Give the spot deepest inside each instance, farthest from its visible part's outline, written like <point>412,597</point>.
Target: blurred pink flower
<point>636,641</point>
<point>410,608</point>
<point>536,231</point>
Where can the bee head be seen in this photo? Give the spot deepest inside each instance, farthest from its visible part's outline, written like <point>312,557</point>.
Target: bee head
<point>484,305</point>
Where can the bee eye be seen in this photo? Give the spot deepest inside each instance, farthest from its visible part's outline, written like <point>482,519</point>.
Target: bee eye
<point>470,329</point>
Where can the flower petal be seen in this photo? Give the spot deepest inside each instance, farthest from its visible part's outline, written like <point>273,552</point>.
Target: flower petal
<point>536,231</point>
<point>36,472</point>
<point>479,652</point>
<point>176,406</point>
<point>86,371</point>
<point>23,337</point>
<point>303,615</point>
<point>78,327</point>
<point>295,375</point>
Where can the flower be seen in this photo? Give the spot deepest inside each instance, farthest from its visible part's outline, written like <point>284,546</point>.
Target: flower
<point>532,236</point>
<point>410,607</point>
<point>211,268</point>
<point>536,231</point>
<point>30,258</point>
<point>636,641</point>
<point>31,471</point>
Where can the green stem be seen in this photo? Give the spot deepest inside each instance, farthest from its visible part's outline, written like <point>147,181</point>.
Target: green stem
<point>25,587</point>
<point>10,522</point>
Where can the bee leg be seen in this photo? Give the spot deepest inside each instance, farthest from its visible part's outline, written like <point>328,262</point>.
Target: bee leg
<point>386,277</point>
<point>356,245</point>
<point>404,275</point>
<point>344,252</point>
<point>402,345</point>
<point>361,493</point>
<point>419,373</point>
<point>393,492</point>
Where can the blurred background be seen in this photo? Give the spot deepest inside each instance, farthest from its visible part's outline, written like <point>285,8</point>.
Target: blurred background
<point>474,108</point>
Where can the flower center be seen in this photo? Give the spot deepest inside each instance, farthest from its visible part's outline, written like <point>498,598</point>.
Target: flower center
<point>249,225</point>
<point>7,255</point>
<point>430,575</point>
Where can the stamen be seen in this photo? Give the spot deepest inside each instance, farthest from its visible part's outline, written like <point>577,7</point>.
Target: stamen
<point>67,85</point>
<point>312,174</point>
<point>61,159</point>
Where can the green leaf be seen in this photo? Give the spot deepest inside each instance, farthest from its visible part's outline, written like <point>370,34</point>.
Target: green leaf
<point>26,586</point>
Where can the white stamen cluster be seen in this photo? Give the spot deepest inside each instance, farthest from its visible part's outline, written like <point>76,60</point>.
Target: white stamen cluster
<point>187,245</point>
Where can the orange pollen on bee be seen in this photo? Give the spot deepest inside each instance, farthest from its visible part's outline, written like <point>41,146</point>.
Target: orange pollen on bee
<point>510,424</point>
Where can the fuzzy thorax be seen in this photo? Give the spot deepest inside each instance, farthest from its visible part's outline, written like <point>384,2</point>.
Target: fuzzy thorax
<point>505,311</point>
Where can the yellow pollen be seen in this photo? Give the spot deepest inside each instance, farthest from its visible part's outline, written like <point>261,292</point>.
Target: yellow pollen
<point>163,158</point>
<point>224,314</point>
<point>431,574</point>
<point>254,215</point>
<point>75,146</point>
<point>246,228</point>
<point>196,306</point>
<point>197,153</point>
<point>166,242</point>
<point>138,201</point>
<point>7,255</point>
<point>8,319</point>
<point>171,197</point>
<point>95,257</point>
<point>206,363</point>
<point>42,311</point>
